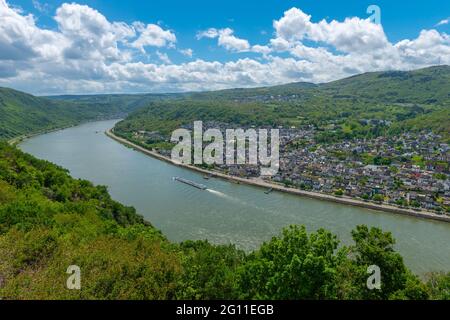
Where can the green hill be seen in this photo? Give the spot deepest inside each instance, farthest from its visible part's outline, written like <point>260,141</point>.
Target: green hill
<point>424,86</point>
<point>428,85</point>
<point>411,100</point>
<point>22,113</point>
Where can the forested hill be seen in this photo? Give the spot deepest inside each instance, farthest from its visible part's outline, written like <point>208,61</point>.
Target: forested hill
<point>406,100</point>
<point>22,113</point>
<point>428,85</point>
<point>424,86</point>
<point>50,221</point>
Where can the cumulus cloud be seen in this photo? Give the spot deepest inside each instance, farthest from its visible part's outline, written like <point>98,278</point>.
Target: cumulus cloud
<point>187,52</point>
<point>431,47</point>
<point>261,49</point>
<point>153,35</point>
<point>353,34</point>
<point>210,33</point>
<point>91,35</point>
<point>226,39</point>
<point>87,53</point>
<point>21,39</point>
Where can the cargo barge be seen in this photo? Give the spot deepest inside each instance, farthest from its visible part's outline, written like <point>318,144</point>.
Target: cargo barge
<point>191,183</point>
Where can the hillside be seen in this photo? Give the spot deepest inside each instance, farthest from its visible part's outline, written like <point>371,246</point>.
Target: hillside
<point>49,221</point>
<point>424,86</point>
<point>22,113</point>
<point>428,85</point>
<point>413,100</point>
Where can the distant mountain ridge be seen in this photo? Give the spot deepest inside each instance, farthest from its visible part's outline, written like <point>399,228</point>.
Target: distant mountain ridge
<point>426,85</point>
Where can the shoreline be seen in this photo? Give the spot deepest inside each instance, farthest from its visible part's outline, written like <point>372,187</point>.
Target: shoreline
<point>21,138</point>
<point>266,185</point>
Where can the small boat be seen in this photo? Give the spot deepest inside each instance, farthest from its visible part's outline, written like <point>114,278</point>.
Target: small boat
<point>268,191</point>
<point>206,177</point>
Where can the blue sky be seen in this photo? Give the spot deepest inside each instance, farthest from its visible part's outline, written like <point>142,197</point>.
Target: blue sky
<point>201,45</point>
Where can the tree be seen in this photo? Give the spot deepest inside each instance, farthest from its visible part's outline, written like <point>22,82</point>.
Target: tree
<point>375,247</point>
<point>293,266</point>
<point>378,198</point>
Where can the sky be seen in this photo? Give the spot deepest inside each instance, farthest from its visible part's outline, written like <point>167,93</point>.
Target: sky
<point>87,47</point>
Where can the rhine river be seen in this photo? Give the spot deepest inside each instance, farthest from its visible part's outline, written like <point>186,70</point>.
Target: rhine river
<point>226,212</point>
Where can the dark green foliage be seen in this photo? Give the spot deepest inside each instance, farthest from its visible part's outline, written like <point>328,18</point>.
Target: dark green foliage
<point>294,266</point>
<point>47,190</point>
<point>375,247</point>
<point>209,272</point>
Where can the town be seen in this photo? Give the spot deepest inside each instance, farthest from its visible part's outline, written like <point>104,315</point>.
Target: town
<point>408,170</point>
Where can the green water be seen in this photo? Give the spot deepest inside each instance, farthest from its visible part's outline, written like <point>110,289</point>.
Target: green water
<point>226,212</point>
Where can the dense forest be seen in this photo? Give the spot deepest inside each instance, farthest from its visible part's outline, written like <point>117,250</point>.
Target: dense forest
<point>405,101</point>
<point>49,221</point>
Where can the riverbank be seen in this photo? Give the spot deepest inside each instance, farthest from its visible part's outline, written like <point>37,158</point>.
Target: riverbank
<point>19,139</point>
<point>266,185</point>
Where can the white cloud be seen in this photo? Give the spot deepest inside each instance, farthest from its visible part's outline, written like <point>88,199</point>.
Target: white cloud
<point>163,57</point>
<point>261,49</point>
<point>210,33</point>
<point>42,7</point>
<point>431,47</point>
<point>280,44</point>
<point>154,35</point>
<point>21,39</point>
<point>231,42</point>
<point>226,39</point>
<point>351,35</point>
<point>87,53</point>
<point>294,25</point>
<point>443,22</point>
<point>91,35</point>
<point>187,52</point>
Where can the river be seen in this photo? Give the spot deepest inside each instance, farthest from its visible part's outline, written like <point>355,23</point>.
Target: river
<point>226,212</point>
